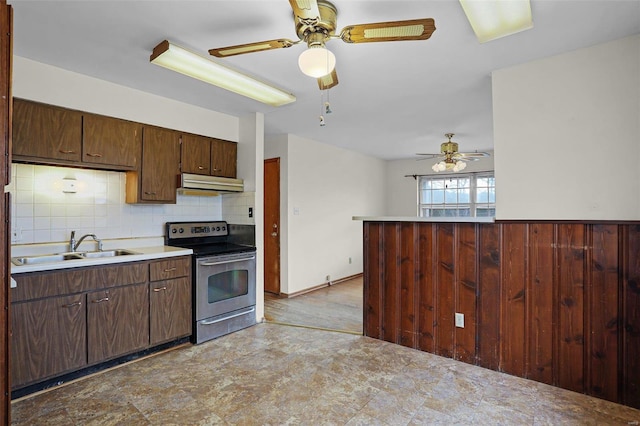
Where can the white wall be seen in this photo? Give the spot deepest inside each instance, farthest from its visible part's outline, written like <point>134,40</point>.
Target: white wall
<point>322,188</point>
<point>567,135</point>
<point>402,192</point>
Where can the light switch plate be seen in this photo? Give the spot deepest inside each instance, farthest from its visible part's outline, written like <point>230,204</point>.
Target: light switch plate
<point>459,320</point>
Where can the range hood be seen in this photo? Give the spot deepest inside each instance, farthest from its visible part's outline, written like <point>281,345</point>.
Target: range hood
<point>192,184</point>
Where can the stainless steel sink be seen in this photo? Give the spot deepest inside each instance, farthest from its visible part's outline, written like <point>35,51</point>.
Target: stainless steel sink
<point>61,257</point>
<point>47,258</point>
<point>106,253</point>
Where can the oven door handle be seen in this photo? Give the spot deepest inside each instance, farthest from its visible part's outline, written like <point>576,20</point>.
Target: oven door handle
<point>226,261</point>
<point>206,322</point>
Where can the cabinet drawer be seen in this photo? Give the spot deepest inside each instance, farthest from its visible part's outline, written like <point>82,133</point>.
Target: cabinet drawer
<point>37,285</point>
<point>171,268</point>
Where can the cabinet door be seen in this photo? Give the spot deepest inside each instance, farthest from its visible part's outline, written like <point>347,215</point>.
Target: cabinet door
<point>224,158</point>
<point>170,309</point>
<point>196,154</point>
<point>117,321</point>
<point>160,165</point>
<point>46,132</point>
<point>111,141</point>
<point>48,338</point>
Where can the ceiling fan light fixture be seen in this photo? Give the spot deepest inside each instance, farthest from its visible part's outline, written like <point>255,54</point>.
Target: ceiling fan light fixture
<point>317,61</point>
<point>178,59</point>
<point>492,19</point>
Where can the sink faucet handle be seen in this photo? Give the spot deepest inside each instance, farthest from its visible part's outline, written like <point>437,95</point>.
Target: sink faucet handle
<point>72,241</point>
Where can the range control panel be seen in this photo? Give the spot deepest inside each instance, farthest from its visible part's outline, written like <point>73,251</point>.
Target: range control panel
<point>197,229</point>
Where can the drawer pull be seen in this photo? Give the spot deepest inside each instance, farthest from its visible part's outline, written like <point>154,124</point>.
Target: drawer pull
<point>94,155</point>
<point>201,168</point>
<point>149,193</point>
<point>66,151</point>
<point>104,299</point>
<point>170,270</point>
<point>71,305</point>
<point>159,289</point>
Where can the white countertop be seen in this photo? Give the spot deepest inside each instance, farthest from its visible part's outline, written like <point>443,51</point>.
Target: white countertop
<point>147,249</point>
<point>425,219</point>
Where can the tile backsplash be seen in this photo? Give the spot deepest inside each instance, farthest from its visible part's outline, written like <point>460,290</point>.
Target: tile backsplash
<point>42,212</point>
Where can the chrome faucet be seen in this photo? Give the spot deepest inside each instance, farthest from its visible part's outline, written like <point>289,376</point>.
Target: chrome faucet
<point>73,245</point>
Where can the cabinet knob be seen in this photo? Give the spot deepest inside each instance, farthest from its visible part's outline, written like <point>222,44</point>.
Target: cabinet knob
<point>159,289</point>
<point>217,170</point>
<point>94,155</point>
<point>104,299</point>
<point>201,168</point>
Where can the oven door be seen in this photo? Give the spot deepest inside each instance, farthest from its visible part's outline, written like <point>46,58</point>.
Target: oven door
<point>224,283</point>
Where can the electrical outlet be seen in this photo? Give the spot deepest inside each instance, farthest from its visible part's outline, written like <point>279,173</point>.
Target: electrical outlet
<point>349,261</point>
<point>16,235</point>
<point>250,211</point>
<point>329,278</point>
<point>459,320</point>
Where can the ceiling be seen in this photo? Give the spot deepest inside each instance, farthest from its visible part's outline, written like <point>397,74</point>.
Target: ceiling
<point>394,99</point>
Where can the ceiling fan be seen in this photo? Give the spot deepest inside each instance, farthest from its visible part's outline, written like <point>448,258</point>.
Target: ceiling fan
<point>452,159</point>
<point>315,24</point>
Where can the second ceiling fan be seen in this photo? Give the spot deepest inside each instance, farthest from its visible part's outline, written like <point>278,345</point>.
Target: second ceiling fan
<point>315,24</point>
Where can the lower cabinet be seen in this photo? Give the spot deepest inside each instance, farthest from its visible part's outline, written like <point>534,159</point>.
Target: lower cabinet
<point>48,337</point>
<point>170,310</point>
<point>63,321</point>
<point>117,321</point>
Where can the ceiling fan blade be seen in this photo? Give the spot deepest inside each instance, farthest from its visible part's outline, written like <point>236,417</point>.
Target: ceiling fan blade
<point>474,155</point>
<point>259,46</point>
<point>414,29</point>
<point>430,155</point>
<point>328,81</point>
<point>306,11</point>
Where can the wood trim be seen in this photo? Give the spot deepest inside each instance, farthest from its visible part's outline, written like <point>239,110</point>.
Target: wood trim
<point>555,302</point>
<point>6,49</point>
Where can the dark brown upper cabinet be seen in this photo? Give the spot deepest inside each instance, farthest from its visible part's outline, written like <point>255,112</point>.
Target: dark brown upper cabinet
<point>224,158</point>
<point>157,180</point>
<point>111,141</point>
<point>196,154</point>
<point>209,156</point>
<point>46,132</point>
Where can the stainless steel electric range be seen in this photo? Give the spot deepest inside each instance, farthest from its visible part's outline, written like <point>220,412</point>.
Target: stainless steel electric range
<point>224,277</point>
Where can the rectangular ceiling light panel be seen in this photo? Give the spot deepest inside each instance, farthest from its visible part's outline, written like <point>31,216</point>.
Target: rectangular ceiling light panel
<point>193,65</point>
<point>492,19</point>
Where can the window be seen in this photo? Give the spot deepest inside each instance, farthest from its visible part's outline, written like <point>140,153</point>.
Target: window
<point>467,195</point>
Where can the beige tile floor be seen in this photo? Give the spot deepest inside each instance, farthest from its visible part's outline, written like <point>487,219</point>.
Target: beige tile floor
<point>275,374</point>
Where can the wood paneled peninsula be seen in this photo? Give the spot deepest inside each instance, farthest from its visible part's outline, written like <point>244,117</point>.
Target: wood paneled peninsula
<point>557,302</point>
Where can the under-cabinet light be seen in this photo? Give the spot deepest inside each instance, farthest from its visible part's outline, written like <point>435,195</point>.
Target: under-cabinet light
<point>492,19</point>
<point>177,59</point>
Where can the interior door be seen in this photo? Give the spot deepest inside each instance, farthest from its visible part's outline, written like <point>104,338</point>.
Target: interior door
<point>272,225</point>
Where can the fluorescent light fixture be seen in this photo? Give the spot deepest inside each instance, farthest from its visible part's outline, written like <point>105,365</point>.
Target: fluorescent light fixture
<point>492,19</point>
<point>177,59</point>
